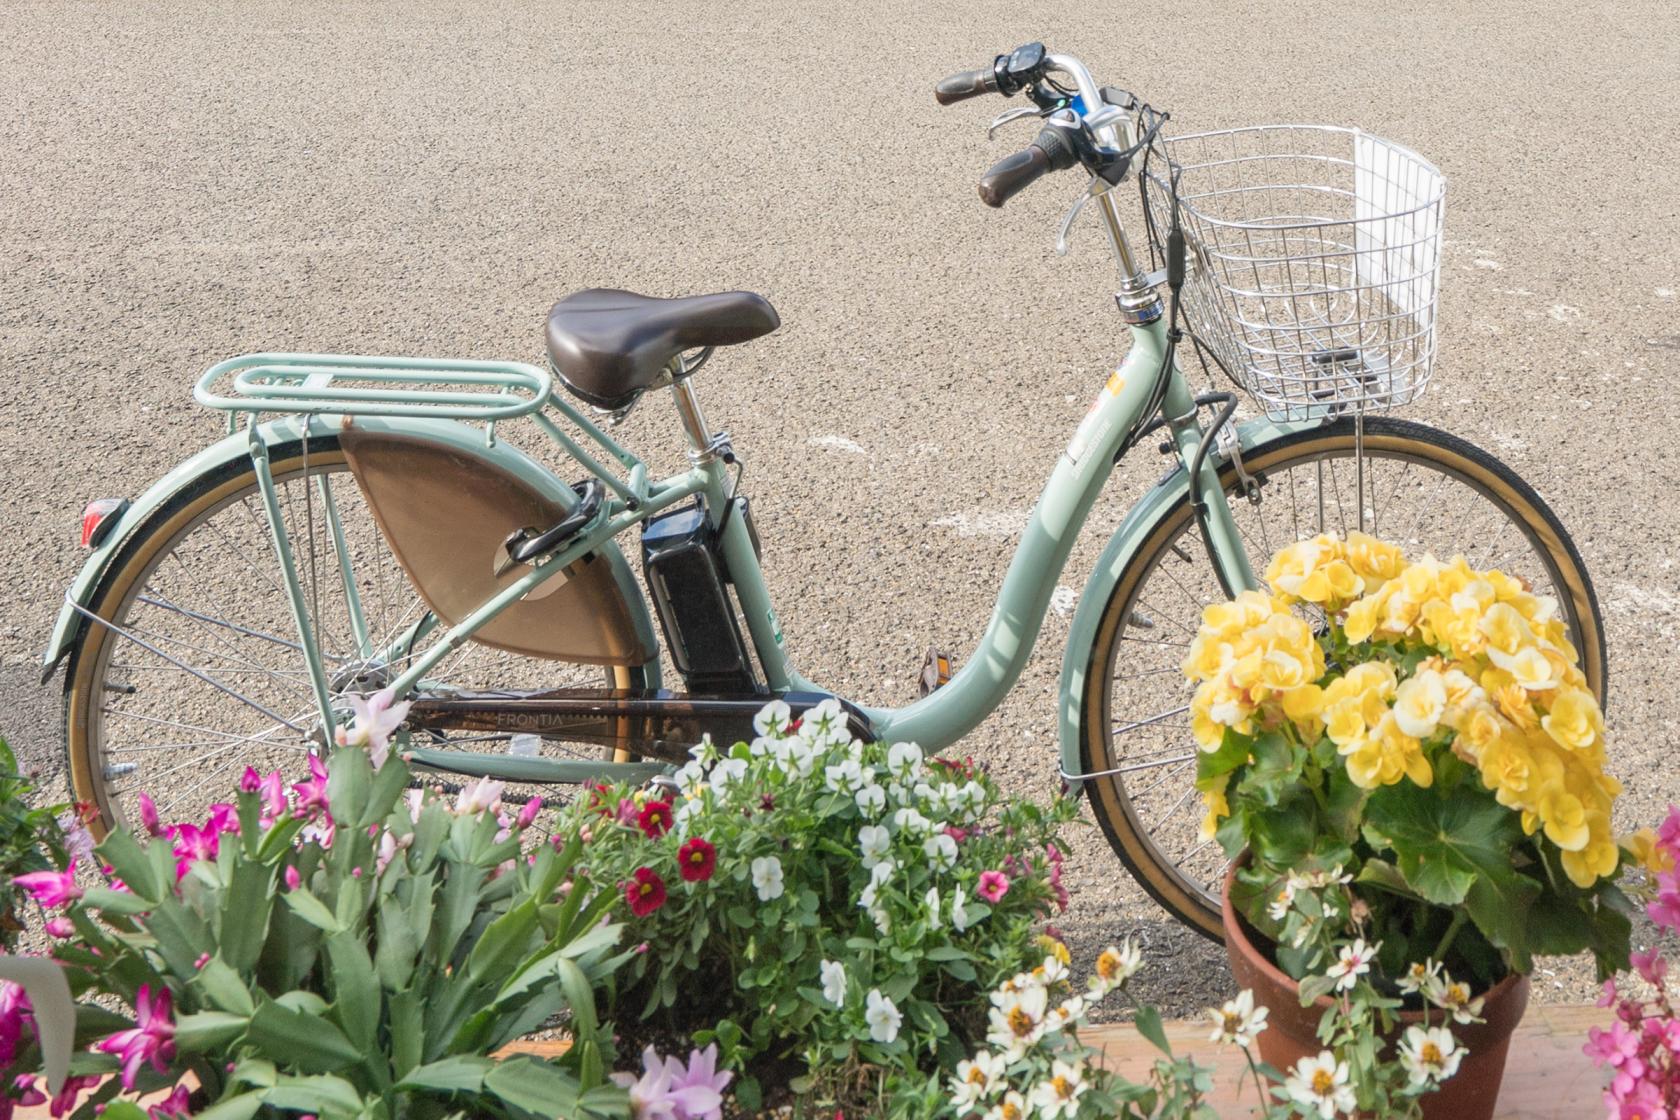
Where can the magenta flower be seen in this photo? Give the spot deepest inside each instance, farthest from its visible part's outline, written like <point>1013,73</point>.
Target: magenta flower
<point>60,927</point>
<point>1665,909</point>
<point>273,790</point>
<point>65,1101</point>
<point>192,844</point>
<point>223,818</point>
<point>24,1092</point>
<point>292,877</point>
<point>15,1019</point>
<point>1668,833</point>
<point>151,1039</point>
<point>172,1107</point>
<point>51,888</point>
<point>149,816</point>
<point>993,886</point>
<point>528,813</point>
<point>250,780</point>
<point>312,793</point>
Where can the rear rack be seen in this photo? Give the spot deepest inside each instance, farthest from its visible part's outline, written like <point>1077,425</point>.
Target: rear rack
<point>365,386</point>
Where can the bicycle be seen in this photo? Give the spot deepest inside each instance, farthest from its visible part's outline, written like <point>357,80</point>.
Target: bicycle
<point>226,616</point>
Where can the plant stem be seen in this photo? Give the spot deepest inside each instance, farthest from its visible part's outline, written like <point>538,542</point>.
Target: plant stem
<point>1458,920</point>
<point>1259,1083</point>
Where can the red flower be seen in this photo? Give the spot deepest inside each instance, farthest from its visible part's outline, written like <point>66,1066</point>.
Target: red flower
<point>697,860</point>
<point>645,892</point>
<point>655,818</point>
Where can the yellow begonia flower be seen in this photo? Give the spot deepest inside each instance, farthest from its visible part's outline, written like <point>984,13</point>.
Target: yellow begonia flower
<point>1565,821</point>
<point>1591,864</point>
<point>1419,704</point>
<point>1574,721</point>
<point>1374,561</point>
<point>1650,855</point>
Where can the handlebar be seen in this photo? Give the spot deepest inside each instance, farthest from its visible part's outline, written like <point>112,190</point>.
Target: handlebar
<point>969,83</point>
<point>1009,176</point>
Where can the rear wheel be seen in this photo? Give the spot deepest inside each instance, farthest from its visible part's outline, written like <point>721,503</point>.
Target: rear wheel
<point>200,673</point>
<point>1423,489</point>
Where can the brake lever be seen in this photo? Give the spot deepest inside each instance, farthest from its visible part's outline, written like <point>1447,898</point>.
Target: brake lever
<point>1010,116</point>
<point>1097,185</point>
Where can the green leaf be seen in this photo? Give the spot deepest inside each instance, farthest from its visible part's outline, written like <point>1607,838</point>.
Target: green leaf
<point>458,1073</point>
<point>1502,904</point>
<point>1148,1023</point>
<point>1275,772</point>
<point>115,902</point>
<point>323,1095</point>
<point>389,783</point>
<point>129,862</point>
<point>349,779</point>
<point>300,1039</point>
<point>208,1030</point>
<point>1384,875</point>
<point>123,1110</point>
<point>311,910</point>
<point>240,1107</point>
<point>1233,751</point>
<point>408,1028</point>
<point>504,943</point>
<point>356,996</point>
<point>250,896</point>
<point>1443,840</point>
<point>222,988</point>
<point>534,1086</point>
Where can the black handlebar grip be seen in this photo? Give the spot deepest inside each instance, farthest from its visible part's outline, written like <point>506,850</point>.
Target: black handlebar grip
<point>1013,174</point>
<point>969,83</point>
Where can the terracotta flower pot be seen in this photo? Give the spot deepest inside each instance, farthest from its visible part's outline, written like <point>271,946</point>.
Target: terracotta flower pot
<point>1292,1030</point>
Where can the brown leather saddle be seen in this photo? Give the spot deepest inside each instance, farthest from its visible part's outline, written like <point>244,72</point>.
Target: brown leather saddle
<point>608,345</point>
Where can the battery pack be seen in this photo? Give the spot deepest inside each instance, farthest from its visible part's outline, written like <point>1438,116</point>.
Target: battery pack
<point>686,578</point>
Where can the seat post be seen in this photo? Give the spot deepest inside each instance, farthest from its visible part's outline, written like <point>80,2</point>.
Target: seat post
<point>702,447</point>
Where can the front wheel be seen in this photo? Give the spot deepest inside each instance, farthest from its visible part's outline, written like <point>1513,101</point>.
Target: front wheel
<point>1423,489</point>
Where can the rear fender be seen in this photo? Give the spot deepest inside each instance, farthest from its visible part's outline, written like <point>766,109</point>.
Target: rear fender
<point>235,448</point>
<point>1105,577</point>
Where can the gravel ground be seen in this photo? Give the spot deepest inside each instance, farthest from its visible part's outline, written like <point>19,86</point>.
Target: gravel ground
<point>191,181</point>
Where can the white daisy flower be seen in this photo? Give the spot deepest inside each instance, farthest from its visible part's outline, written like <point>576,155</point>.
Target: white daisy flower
<point>977,1080</point>
<point>1430,1055</point>
<point>1013,1106</point>
<point>1320,1085</point>
<point>1239,1022</point>
<point>1353,961</point>
<point>1058,1096</point>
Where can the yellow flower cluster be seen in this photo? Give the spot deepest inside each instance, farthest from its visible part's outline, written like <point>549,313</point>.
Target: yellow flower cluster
<point>1500,675</point>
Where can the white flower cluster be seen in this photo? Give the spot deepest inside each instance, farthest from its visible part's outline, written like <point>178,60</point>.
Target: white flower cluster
<point>906,806</point>
<point>1037,1066</point>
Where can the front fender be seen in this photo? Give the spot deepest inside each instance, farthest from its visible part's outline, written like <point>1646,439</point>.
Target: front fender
<point>235,448</point>
<point>1105,577</point>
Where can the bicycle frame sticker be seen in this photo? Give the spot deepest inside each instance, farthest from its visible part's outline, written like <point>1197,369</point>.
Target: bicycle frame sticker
<point>1093,430</point>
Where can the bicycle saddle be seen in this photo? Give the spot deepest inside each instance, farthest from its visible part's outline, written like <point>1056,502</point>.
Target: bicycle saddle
<point>608,345</point>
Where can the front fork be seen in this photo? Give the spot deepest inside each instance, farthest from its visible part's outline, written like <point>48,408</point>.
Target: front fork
<point>1220,535</point>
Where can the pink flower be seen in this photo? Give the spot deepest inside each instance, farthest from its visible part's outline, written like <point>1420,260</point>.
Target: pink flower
<point>1616,1047</point>
<point>377,719</point>
<point>51,888</point>
<point>955,833</point>
<point>203,959</point>
<point>528,813</point>
<point>223,818</point>
<point>151,1039</point>
<point>149,816</point>
<point>193,844</point>
<point>15,1019</point>
<point>273,791</point>
<point>1650,965</point>
<point>1668,833</point>
<point>60,927</point>
<point>668,1090</point>
<point>1643,1101</point>
<point>312,792</point>
<point>480,797</point>
<point>65,1101</point>
<point>292,877</point>
<point>172,1106</point>
<point>993,886</point>
<point>250,780</point>
<point>25,1093</point>
<point>1607,997</point>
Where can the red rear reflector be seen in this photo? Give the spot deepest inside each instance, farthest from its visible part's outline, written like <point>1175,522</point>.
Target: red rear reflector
<point>99,518</point>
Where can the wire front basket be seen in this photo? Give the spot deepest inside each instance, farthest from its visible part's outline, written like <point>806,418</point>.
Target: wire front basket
<point>1315,256</point>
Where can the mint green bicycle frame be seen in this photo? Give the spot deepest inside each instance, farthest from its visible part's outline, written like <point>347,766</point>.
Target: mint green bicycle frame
<point>318,394</point>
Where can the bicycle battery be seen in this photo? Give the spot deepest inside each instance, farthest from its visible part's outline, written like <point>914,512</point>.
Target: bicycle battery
<point>686,576</point>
